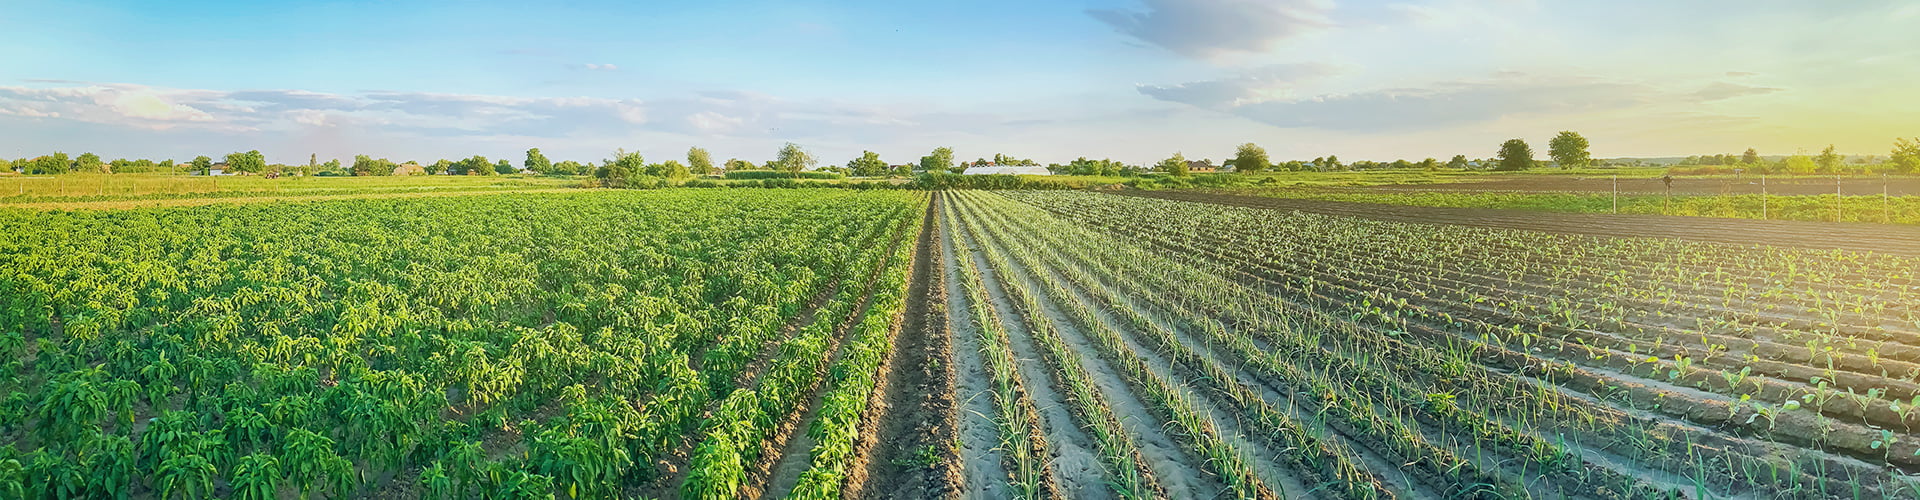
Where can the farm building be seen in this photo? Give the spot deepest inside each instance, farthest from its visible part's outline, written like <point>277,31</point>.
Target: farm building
<point>1201,167</point>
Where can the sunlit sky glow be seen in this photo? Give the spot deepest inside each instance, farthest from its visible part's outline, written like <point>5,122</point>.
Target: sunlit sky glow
<point>1135,80</point>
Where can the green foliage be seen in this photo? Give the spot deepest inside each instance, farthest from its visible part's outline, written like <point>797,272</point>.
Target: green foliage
<point>867,165</point>
<point>1250,158</point>
<point>772,174</point>
<point>792,160</point>
<point>537,162</point>
<point>1906,155</point>
<point>251,162</point>
<point>1515,155</point>
<point>1175,166</point>
<point>699,161</point>
<point>1569,150</point>
<point>940,160</point>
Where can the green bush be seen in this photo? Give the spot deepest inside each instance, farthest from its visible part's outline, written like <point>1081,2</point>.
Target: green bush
<point>775,174</point>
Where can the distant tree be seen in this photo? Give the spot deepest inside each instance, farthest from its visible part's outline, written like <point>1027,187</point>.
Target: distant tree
<point>477,165</point>
<point>202,164</point>
<point>537,162</point>
<point>364,165</point>
<point>1515,155</point>
<point>671,169</point>
<point>56,163</point>
<point>569,167</point>
<point>1829,160</point>
<point>1800,164</point>
<point>617,171</point>
<point>739,164</point>
<point>251,162</point>
<point>167,165</point>
<point>1333,163</point>
<point>1430,164</point>
<point>1401,164</point>
<point>1249,158</point>
<point>503,167</point>
<point>440,167</point>
<point>867,165</point>
<point>1906,155</point>
<point>1176,165</point>
<point>941,159</point>
<point>699,161</point>
<point>1569,150</point>
<point>792,159</point>
<point>6,164</point>
<point>89,162</point>
<point>1750,157</point>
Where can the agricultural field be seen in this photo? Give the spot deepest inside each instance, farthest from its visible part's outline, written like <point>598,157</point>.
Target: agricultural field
<point>1853,198</point>
<point>79,190</point>
<point>842,343</point>
<point>1137,347</point>
<point>592,345</point>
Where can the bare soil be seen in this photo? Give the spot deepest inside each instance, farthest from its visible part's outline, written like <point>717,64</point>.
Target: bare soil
<point>1749,184</point>
<point>914,411</point>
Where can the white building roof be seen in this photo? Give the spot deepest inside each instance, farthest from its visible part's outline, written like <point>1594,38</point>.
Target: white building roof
<point>1007,170</point>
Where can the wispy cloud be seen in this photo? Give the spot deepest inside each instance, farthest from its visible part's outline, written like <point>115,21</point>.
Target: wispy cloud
<point>1406,108</point>
<point>1210,28</point>
<point>601,67</point>
<point>1723,90</point>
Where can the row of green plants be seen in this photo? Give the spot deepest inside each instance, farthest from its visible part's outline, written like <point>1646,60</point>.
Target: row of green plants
<point>1022,444</point>
<point>502,346</point>
<point>1850,208</point>
<point>1321,255</point>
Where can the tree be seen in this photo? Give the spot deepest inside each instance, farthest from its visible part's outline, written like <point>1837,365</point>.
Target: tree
<point>332,165</point>
<point>1515,155</point>
<point>202,164</point>
<point>615,172</point>
<point>440,167</point>
<point>537,162</point>
<point>699,161</point>
<point>1750,157</point>
<point>1569,150</point>
<point>734,164</point>
<point>1906,155</point>
<point>867,165</point>
<point>941,159</point>
<point>364,165</point>
<point>1430,164</point>
<point>1829,160</point>
<point>1176,165</point>
<point>246,163</point>
<point>1249,158</point>
<point>89,162</point>
<point>1800,164</point>
<point>792,159</point>
<point>477,165</point>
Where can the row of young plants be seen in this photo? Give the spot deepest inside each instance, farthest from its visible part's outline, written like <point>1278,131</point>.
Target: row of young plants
<point>1127,471</point>
<point>1022,443</point>
<point>326,348</point>
<point>1816,390</point>
<point>744,432</point>
<point>1544,410</point>
<point>1358,415</point>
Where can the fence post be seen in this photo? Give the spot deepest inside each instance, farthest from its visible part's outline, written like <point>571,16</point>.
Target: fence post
<point>1763,197</point>
<point>1836,198</point>
<point>1616,194</point>
<point>1886,202</point>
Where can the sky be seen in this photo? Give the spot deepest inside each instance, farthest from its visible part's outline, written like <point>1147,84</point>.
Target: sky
<point>1133,80</point>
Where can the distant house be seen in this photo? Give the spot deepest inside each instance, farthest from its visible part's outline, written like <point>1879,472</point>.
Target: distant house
<point>1201,167</point>
<point>410,168</point>
<point>218,169</point>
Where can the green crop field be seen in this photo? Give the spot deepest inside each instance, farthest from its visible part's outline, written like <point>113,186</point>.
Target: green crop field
<point>896,343</point>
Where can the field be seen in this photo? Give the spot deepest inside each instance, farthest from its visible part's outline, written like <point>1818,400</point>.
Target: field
<point>1640,191</point>
<point>833,343</point>
<point>74,188</point>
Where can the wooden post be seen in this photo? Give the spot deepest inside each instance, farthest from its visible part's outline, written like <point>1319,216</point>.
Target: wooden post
<point>1886,202</point>
<point>1763,197</point>
<point>1616,194</point>
<point>1836,198</point>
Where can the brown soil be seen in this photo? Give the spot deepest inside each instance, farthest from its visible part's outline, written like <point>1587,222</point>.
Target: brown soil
<point>915,409</point>
<point>1864,237</point>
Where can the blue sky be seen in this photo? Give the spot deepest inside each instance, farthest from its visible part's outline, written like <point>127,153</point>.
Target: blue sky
<point>1135,80</point>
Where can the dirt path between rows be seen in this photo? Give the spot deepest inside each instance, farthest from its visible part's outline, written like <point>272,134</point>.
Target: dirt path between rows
<point>980,458</point>
<point>909,452</point>
<point>1860,237</point>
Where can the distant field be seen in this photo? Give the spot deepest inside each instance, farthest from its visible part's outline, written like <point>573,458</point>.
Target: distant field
<point>161,186</point>
<point>1806,198</point>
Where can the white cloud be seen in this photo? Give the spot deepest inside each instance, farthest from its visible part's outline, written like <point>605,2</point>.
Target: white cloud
<point>1210,28</point>
<point>601,67</point>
